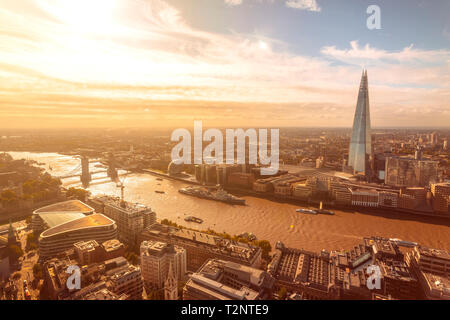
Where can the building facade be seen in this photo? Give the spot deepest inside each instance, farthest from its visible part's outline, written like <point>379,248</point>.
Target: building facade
<point>409,172</point>
<point>131,218</point>
<point>202,246</point>
<point>156,260</point>
<point>225,280</point>
<point>360,152</point>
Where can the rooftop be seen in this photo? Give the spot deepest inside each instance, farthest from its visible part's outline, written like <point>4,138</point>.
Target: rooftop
<point>439,287</point>
<point>156,248</point>
<point>65,207</point>
<point>217,243</point>
<point>52,219</point>
<point>124,206</point>
<point>94,220</point>
<point>397,270</point>
<point>435,253</point>
<point>219,290</point>
<point>111,245</point>
<point>86,245</point>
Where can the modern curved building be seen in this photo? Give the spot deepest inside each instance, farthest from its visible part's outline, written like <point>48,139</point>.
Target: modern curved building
<point>66,223</point>
<point>57,213</point>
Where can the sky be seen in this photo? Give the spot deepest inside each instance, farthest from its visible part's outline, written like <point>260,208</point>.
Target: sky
<point>229,63</point>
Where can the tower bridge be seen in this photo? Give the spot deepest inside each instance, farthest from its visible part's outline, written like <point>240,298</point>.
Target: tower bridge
<point>86,175</point>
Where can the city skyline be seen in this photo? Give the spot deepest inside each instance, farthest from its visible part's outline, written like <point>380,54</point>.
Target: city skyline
<point>225,151</point>
<point>166,63</point>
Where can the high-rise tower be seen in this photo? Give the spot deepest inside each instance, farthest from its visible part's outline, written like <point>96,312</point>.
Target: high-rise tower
<point>360,153</point>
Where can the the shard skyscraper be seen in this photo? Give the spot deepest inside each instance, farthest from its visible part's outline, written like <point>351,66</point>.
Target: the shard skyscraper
<point>360,153</point>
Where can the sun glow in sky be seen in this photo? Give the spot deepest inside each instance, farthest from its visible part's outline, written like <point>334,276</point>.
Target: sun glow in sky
<point>67,63</point>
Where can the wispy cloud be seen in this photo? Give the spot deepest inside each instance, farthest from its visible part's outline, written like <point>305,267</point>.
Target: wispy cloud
<point>309,5</point>
<point>233,2</point>
<point>370,55</point>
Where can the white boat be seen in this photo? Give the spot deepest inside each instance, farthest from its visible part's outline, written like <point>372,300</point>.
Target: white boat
<point>308,211</point>
<point>403,243</point>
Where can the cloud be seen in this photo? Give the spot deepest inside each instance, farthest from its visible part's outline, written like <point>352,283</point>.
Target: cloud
<point>309,5</point>
<point>372,56</point>
<point>233,2</point>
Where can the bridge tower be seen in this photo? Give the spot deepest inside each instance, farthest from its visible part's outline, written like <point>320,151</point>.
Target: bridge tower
<point>85,174</point>
<point>112,171</point>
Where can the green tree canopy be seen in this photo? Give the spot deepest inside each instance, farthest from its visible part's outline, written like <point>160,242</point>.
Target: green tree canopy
<point>78,193</point>
<point>282,293</point>
<point>15,252</point>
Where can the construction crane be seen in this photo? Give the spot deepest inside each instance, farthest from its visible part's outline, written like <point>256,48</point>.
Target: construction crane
<point>122,187</point>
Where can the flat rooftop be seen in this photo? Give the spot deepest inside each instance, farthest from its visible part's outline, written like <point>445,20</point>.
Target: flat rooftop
<point>435,253</point>
<point>52,219</point>
<point>218,290</point>
<point>439,286</point>
<point>125,206</point>
<point>94,220</point>
<point>66,206</point>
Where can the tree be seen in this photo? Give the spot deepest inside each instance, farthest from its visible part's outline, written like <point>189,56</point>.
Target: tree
<point>132,258</point>
<point>155,295</point>
<point>15,252</point>
<point>8,196</point>
<point>282,293</point>
<point>78,193</point>
<point>169,223</point>
<point>17,276</point>
<point>31,237</point>
<point>265,247</point>
<point>37,271</point>
<point>31,242</point>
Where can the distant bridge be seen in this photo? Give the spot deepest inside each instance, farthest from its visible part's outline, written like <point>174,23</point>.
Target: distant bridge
<point>82,170</point>
<point>71,175</point>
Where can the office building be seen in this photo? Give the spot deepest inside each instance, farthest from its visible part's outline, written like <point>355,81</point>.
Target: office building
<point>441,197</point>
<point>432,267</point>
<point>301,191</point>
<point>434,286</point>
<point>226,280</point>
<point>63,236</point>
<point>201,247</point>
<point>51,215</point>
<point>126,280</point>
<point>365,198</point>
<point>432,260</point>
<point>156,260</point>
<point>90,251</point>
<point>64,224</point>
<point>398,281</point>
<point>360,152</point>
<point>301,271</point>
<point>131,218</point>
<point>409,172</point>
<point>96,291</point>
<point>87,251</point>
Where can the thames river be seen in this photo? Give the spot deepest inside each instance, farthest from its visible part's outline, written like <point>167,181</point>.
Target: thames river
<point>268,220</point>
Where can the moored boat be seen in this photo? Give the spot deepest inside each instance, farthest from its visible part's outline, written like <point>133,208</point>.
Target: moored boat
<point>193,219</point>
<point>307,211</point>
